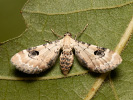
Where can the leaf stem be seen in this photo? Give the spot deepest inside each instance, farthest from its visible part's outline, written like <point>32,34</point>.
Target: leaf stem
<point>113,88</point>
<point>96,86</point>
<point>125,38</point>
<point>121,45</point>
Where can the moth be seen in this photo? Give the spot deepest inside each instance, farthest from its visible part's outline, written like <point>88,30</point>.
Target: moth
<point>40,58</point>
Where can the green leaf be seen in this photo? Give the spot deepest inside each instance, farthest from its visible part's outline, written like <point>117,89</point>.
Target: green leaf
<point>120,83</point>
<point>107,21</point>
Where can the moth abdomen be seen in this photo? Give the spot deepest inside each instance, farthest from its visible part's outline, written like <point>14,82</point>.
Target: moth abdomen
<point>66,61</point>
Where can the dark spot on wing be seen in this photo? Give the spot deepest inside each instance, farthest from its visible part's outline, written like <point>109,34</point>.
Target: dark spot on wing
<point>35,53</point>
<point>100,53</point>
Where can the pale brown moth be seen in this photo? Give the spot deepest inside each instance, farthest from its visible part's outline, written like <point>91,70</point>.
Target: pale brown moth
<point>38,59</point>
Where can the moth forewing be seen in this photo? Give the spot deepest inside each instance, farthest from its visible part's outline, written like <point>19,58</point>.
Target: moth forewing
<point>37,59</point>
<point>40,58</point>
<point>97,59</point>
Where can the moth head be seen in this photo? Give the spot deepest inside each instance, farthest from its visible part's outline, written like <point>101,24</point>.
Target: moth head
<point>68,34</point>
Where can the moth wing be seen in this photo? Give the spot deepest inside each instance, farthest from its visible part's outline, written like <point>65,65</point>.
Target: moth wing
<point>37,59</point>
<point>95,58</point>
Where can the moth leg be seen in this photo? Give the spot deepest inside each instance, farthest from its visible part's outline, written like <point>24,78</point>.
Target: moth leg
<point>80,33</point>
<point>58,36</point>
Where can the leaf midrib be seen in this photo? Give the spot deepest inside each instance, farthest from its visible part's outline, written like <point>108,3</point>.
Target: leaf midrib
<point>119,48</point>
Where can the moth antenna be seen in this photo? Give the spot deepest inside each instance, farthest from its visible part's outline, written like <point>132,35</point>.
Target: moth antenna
<point>80,33</point>
<point>56,34</point>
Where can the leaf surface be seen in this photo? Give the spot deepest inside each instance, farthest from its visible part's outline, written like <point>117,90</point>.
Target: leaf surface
<point>107,21</point>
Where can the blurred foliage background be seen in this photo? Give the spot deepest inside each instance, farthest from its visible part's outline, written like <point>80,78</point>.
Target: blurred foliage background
<point>11,21</point>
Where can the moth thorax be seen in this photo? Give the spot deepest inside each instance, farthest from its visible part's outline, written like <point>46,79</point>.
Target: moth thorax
<point>66,60</point>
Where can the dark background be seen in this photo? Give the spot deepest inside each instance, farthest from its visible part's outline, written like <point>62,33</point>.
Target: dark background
<point>11,21</point>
